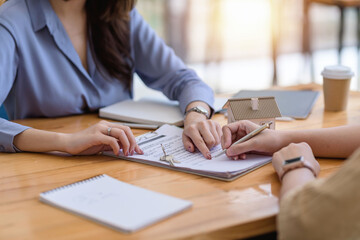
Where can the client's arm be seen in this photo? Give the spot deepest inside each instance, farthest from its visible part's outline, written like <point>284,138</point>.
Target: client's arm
<point>336,142</point>
<point>321,209</point>
<point>295,176</point>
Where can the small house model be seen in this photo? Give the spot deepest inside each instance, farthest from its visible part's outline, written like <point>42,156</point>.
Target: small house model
<point>258,110</point>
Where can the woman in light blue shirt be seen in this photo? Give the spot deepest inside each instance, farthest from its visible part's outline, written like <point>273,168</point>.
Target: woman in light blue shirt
<point>60,57</point>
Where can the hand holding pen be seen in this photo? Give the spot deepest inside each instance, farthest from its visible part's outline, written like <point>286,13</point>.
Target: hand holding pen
<point>243,132</point>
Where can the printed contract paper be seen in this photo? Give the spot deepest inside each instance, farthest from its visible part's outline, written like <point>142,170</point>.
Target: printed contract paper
<point>170,137</point>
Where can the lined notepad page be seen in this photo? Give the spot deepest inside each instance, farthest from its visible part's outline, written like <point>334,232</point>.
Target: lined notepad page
<point>113,203</point>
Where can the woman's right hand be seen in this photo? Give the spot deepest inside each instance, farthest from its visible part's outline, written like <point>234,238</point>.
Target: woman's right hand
<point>267,142</point>
<point>98,138</point>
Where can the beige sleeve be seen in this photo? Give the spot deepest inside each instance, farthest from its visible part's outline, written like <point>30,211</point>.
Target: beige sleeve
<point>324,209</point>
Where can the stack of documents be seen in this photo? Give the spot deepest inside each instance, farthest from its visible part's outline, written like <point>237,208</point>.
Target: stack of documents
<point>170,137</point>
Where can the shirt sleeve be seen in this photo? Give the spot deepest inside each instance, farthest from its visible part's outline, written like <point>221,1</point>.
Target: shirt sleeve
<point>160,69</point>
<point>8,69</point>
<point>324,209</point>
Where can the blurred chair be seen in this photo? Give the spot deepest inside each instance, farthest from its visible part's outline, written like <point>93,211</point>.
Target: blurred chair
<point>276,11</point>
<point>177,23</point>
<point>176,19</point>
<point>306,36</point>
<point>341,4</point>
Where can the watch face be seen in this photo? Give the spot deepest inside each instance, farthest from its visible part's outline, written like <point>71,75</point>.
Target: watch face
<point>201,109</point>
<point>292,160</point>
<point>294,163</point>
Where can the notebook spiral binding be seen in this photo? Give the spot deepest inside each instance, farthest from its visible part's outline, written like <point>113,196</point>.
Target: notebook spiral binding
<point>74,184</point>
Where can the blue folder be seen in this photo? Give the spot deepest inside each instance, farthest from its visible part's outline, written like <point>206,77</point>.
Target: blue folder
<point>3,112</point>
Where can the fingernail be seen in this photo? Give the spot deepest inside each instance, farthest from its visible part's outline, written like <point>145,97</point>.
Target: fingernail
<point>236,158</point>
<point>208,156</point>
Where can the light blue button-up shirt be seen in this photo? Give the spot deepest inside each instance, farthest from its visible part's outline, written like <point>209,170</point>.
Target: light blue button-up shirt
<point>41,74</point>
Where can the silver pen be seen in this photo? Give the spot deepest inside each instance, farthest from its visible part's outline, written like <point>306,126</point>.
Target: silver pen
<point>248,136</point>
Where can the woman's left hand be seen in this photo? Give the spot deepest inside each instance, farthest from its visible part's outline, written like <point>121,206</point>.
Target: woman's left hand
<point>294,150</point>
<point>201,133</point>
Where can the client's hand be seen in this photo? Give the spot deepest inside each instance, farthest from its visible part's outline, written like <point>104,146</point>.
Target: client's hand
<point>294,150</point>
<point>103,136</point>
<point>201,133</point>
<point>267,142</point>
<point>297,176</point>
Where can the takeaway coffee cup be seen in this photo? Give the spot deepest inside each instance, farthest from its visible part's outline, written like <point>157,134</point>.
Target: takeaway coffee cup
<point>336,87</point>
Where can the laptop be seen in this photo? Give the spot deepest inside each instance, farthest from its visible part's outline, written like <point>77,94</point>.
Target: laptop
<point>294,104</point>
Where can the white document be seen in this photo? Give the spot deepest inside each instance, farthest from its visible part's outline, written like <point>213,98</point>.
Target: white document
<point>146,111</point>
<point>171,138</point>
<point>113,203</point>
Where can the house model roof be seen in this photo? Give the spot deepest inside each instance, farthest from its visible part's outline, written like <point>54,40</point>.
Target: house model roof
<point>242,108</point>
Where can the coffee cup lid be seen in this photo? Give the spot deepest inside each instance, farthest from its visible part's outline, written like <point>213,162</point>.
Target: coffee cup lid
<point>337,72</point>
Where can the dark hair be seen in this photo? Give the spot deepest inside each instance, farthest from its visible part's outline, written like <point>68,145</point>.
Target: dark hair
<point>109,37</point>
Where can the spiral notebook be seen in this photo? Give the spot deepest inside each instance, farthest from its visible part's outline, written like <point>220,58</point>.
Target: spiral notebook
<point>113,203</point>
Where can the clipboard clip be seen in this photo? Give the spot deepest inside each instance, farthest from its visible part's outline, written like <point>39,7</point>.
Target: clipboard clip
<point>168,158</point>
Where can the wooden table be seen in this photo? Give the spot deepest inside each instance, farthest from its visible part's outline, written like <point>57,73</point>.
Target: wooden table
<point>221,210</point>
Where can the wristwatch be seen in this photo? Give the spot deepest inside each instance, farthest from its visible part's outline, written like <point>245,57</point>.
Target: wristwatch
<point>294,163</point>
<point>199,109</point>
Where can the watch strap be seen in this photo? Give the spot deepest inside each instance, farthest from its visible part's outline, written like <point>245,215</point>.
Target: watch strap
<point>292,166</point>
<point>199,109</point>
